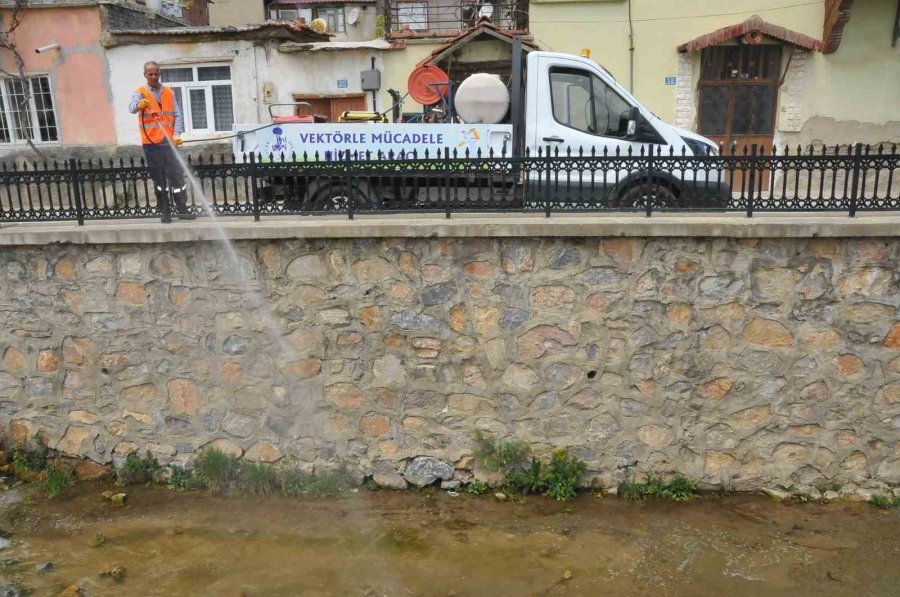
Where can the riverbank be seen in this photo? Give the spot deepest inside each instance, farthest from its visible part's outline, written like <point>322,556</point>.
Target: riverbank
<point>432,543</point>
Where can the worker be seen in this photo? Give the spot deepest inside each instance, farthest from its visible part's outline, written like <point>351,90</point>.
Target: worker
<point>161,124</point>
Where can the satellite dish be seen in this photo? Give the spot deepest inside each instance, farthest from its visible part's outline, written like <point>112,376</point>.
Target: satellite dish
<point>353,16</point>
<point>319,25</point>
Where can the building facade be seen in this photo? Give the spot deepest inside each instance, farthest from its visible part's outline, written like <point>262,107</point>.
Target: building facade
<point>764,72</point>
<point>68,98</point>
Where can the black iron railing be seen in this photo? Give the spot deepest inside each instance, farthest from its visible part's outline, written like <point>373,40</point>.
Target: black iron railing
<point>449,17</point>
<point>848,179</point>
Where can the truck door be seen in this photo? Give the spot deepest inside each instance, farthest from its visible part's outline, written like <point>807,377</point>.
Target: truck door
<point>575,109</point>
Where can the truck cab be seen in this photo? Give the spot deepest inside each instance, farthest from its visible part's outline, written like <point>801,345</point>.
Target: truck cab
<point>573,106</point>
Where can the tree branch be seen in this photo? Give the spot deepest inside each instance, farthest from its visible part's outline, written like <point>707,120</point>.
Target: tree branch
<point>8,43</point>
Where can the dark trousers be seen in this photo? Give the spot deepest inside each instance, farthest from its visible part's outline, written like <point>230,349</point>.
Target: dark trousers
<point>167,177</point>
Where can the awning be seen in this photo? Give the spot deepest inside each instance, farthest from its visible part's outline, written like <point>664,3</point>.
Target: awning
<point>754,24</point>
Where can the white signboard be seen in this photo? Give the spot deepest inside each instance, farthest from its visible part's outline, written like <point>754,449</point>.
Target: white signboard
<point>328,142</point>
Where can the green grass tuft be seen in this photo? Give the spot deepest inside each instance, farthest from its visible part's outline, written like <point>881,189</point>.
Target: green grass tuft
<point>137,470</point>
<point>58,480</point>
<point>884,502</point>
<point>678,489</point>
<point>218,470</point>
<point>259,478</point>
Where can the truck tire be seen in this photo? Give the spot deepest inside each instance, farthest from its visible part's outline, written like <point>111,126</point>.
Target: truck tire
<point>334,197</point>
<point>637,196</point>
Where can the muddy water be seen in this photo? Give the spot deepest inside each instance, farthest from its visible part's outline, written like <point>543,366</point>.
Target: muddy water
<point>390,543</point>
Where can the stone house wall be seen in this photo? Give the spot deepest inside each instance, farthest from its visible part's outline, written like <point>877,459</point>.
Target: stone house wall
<point>744,363</point>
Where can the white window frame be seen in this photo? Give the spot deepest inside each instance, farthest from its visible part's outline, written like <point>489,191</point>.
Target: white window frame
<point>411,17</point>
<point>284,14</point>
<point>207,86</point>
<point>339,11</point>
<point>5,103</point>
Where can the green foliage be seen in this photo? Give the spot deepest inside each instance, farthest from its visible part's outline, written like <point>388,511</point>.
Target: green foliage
<point>217,469</point>
<point>137,470</point>
<point>884,502</point>
<point>522,473</point>
<point>292,481</point>
<point>329,484</point>
<point>563,475</point>
<point>58,479</point>
<point>527,480</point>
<point>29,461</point>
<point>477,487</point>
<point>258,478</point>
<point>678,489</point>
<point>501,456</point>
<point>181,479</point>
<point>630,491</point>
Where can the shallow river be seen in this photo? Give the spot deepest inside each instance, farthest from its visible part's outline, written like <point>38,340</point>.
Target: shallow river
<point>392,543</point>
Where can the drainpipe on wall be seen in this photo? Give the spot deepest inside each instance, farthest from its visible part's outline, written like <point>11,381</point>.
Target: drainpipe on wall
<point>257,101</point>
<point>630,51</point>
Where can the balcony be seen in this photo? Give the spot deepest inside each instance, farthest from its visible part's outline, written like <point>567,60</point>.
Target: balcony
<point>447,18</point>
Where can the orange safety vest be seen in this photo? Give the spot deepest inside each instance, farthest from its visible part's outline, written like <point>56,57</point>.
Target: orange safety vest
<point>156,119</point>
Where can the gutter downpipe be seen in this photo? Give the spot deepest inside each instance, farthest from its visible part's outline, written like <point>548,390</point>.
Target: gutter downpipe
<point>630,51</point>
<point>257,93</point>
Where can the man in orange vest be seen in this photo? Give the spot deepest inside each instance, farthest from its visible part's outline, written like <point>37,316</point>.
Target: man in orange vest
<point>160,125</point>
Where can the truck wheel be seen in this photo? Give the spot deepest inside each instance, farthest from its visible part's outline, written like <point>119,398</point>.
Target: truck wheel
<point>334,197</point>
<point>638,195</point>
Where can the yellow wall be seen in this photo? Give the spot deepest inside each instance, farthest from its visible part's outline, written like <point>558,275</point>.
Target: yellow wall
<point>397,66</point>
<point>235,12</point>
<point>861,81</point>
<point>660,26</point>
<point>851,94</point>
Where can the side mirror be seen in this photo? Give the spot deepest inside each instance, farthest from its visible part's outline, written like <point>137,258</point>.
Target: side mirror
<point>633,117</point>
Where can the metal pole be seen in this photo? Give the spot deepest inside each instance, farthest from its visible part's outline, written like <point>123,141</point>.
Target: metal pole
<point>348,166</point>
<point>752,182</point>
<point>517,95</point>
<point>254,186</point>
<point>854,191</point>
<point>76,191</point>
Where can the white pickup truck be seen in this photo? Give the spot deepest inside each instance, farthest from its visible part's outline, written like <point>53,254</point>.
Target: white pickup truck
<point>559,105</point>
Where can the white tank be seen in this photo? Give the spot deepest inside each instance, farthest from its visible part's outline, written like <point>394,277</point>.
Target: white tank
<point>482,99</point>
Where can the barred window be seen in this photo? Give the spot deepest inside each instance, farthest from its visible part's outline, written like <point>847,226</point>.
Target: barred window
<point>204,94</point>
<point>26,111</point>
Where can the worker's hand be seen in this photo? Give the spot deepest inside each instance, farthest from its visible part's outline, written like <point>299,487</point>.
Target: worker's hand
<point>177,141</point>
<point>143,104</point>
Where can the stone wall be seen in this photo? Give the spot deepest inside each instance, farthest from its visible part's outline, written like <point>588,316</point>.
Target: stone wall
<point>745,363</point>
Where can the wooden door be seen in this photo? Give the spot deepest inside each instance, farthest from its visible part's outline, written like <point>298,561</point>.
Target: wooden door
<point>739,99</point>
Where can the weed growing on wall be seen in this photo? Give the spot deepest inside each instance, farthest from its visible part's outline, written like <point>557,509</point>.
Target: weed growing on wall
<point>884,502</point>
<point>522,473</point>
<point>27,462</point>
<point>678,489</point>
<point>178,478</point>
<point>57,480</point>
<point>137,470</point>
<point>258,478</point>
<point>217,470</point>
<point>563,475</point>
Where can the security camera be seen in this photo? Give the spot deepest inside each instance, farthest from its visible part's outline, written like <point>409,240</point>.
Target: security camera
<point>46,48</point>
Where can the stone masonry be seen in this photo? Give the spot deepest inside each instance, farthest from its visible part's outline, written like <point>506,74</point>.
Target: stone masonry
<point>743,363</point>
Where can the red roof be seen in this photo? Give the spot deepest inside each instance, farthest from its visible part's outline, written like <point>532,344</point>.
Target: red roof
<point>483,26</point>
<point>753,24</point>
